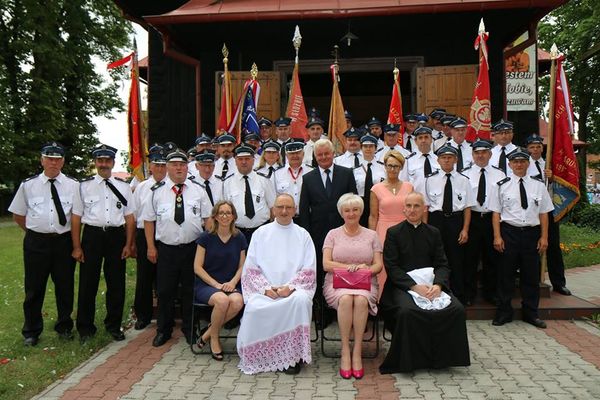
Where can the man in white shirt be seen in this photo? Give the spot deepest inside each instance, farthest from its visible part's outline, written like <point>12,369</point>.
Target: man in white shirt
<point>316,131</point>
<point>503,135</point>
<point>459,132</point>
<point>352,158</point>
<point>225,165</point>
<point>421,162</point>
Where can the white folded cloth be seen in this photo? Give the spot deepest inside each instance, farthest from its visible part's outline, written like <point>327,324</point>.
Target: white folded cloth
<point>424,276</point>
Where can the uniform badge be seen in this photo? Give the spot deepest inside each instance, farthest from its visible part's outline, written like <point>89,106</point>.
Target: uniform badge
<point>459,197</point>
<point>258,199</point>
<point>195,210</point>
<point>537,203</point>
<point>119,205</point>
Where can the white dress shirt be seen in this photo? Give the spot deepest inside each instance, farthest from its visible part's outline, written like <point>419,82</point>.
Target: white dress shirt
<point>347,159</point>
<point>414,167</point>
<point>101,207</point>
<point>196,206</point>
<point>216,187</point>
<point>461,191</point>
<point>533,171</point>
<point>360,175</point>
<point>381,153</point>
<point>496,151</point>
<point>34,201</point>
<point>263,197</point>
<point>289,181</point>
<point>218,172</point>
<point>141,198</point>
<point>492,176</point>
<point>466,151</point>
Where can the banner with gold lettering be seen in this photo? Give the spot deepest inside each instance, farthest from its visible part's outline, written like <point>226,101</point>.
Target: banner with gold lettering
<point>480,117</point>
<point>395,115</point>
<point>565,169</point>
<point>295,108</point>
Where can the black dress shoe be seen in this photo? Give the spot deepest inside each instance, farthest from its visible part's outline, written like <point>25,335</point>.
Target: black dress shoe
<point>293,370</point>
<point>538,323</point>
<point>83,339</point>
<point>160,339</point>
<point>30,341</point>
<point>140,324</point>
<point>68,335</point>
<point>562,290</point>
<point>499,321</point>
<point>117,336</point>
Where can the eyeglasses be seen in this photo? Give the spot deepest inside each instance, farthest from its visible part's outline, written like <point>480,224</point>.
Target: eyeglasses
<point>392,166</point>
<point>225,214</point>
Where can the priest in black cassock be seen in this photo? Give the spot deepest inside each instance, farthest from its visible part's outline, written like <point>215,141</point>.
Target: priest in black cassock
<point>420,338</point>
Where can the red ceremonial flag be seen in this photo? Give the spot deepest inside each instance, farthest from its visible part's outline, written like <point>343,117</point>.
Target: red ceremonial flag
<point>295,108</point>
<point>480,117</point>
<point>226,103</point>
<point>395,114</point>
<point>137,147</point>
<point>337,119</point>
<point>565,170</point>
<point>235,127</point>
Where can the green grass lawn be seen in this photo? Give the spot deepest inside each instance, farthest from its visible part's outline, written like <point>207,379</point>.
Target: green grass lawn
<point>31,369</point>
<point>581,246</point>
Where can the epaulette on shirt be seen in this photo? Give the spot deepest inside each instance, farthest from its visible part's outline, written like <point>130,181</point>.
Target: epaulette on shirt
<point>157,185</point>
<point>460,173</point>
<point>466,168</point>
<point>120,179</point>
<point>31,177</point>
<point>537,178</point>
<point>437,171</point>
<point>503,181</point>
<point>195,181</point>
<point>263,175</point>
<point>380,162</point>
<point>70,177</point>
<point>498,168</point>
<point>378,150</point>
<point>89,178</point>
<point>225,178</point>
<point>410,155</point>
<point>191,177</point>
<point>308,165</point>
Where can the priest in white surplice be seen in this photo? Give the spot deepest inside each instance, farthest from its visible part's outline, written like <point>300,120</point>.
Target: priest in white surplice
<point>278,284</point>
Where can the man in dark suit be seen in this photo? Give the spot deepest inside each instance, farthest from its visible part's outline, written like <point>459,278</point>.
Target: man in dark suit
<point>321,189</point>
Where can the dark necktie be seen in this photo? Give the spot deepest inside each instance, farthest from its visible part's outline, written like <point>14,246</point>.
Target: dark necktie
<point>537,165</point>
<point>523,192</point>
<point>502,160</point>
<point>225,169</point>
<point>427,165</point>
<point>271,169</point>
<point>283,152</point>
<point>57,204</point>
<point>356,161</point>
<point>116,192</point>
<point>209,192</point>
<point>481,188</point>
<point>460,164</point>
<point>447,204</point>
<point>314,161</point>
<point>408,144</point>
<point>179,210</point>
<point>328,184</point>
<point>248,203</point>
<point>368,186</point>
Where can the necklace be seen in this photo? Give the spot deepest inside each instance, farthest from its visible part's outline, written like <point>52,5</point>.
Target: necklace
<point>350,233</point>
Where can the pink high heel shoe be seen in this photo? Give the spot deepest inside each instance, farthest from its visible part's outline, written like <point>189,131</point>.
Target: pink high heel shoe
<point>358,374</point>
<point>346,373</point>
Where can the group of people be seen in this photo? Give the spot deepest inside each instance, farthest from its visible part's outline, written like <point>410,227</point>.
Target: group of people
<point>269,224</point>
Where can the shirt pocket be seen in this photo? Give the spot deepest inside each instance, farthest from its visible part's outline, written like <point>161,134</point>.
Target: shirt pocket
<point>36,207</point>
<point>91,205</point>
<point>508,199</point>
<point>461,198</point>
<point>282,187</point>
<point>435,197</point>
<point>258,198</point>
<point>535,200</point>
<point>67,203</point>
<point>163,211</point>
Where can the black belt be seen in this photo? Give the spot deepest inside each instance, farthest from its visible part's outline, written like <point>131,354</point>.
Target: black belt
<point>481,214</point>
<point>177,245</point>
<point>104,228</point>
<point>520,228</point>
<point>448,215</point>
<point>47,235</point>
<point>247,230</point>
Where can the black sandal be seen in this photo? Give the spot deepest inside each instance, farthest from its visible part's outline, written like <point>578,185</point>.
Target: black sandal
<point>200,342</point>
<point>217,356</point>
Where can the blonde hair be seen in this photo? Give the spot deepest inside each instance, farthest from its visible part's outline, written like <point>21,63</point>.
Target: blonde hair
<point>395,154</point>
<point>262,162</point>
<point>215,210</point>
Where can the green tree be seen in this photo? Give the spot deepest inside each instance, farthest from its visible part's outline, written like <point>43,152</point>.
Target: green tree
<point>49,89</point>
<point>575,28</point>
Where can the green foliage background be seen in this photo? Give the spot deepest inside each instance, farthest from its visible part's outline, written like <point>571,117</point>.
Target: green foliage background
<point>49,90</point>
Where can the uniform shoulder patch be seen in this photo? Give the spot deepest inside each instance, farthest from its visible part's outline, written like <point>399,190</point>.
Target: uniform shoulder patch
<point>460,173</point>
<point>31,177</point>
<point>195,181</point>
<point>120,179</point>
<point>497,167</point>
<point>437,171</point>
<point>466,168</point>
<point>70,177</point>
<point>157,185</point>
<point>503,181</point>
<point>308,165</point>
<point>378,150</point>
<point>538,178</point>
<point>225,178</point>
<point>263,175</point>
<point>380,162</point>
<point>191,177</point>
<point>89,178</point>
<point>410,155</point>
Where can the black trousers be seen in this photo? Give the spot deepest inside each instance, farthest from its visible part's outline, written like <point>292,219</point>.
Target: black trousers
<point>101,248</point>
<point>520,251</point>
<point>480,247</point>
<point>175,267</point>
<point>144,281</point>
<point>450,226</point>
<point>556,265</point>
<point>44,256</point>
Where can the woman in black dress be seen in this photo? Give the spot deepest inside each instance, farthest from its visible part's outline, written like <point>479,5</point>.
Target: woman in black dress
<point>220,255</point>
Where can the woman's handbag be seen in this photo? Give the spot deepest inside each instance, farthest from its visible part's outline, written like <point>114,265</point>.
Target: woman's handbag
<point>359,279</point>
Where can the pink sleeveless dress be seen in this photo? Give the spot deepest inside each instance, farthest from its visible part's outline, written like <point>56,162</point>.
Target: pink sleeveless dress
<point>391,212</point>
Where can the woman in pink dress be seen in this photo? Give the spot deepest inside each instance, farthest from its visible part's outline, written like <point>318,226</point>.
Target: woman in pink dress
<point>352,247</point>
<point>387,200</point>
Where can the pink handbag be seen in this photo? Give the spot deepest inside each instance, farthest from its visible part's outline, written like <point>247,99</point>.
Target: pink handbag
<point>344,279</point>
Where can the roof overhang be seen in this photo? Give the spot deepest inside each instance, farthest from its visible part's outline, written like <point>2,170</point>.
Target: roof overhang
<point>207,11</point>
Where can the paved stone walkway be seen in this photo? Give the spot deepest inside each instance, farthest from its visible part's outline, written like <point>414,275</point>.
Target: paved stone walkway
<point>515,361</point>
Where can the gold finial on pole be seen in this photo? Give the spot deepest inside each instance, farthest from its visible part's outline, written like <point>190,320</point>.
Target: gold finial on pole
<point>396,71</point>
<point>297,41</point>
<point>481,27</point>
<point>554,53</point>
<point>254,71</point>
<point>225,52</point>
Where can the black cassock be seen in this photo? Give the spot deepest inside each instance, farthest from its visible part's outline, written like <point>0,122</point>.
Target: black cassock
<point>420,338</point>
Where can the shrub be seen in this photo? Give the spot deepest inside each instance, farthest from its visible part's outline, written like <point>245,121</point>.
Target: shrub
<point>587,215</point>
